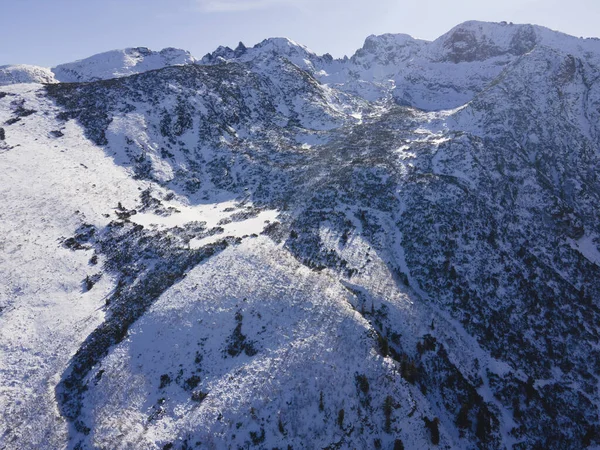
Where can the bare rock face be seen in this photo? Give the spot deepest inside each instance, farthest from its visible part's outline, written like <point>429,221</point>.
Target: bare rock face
<point>474,41</point>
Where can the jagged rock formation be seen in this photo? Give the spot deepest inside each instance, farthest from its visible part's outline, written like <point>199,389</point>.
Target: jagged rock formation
<point>272,248</point>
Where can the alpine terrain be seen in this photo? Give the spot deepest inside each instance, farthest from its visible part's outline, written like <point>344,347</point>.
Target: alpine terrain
<point>269,248</point>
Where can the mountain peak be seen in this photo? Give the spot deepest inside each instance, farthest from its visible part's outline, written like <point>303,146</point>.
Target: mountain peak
<point>25,73</point>
<point>474,40</point>
<point>120,63</point>
<point>373,41</point>
<point>266,49</point>
<point>387,49</point>
<point>283,47</point>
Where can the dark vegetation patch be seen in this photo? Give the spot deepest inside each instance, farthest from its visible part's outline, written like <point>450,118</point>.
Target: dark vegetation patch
<point>238,342</point>
<point>146,264</point>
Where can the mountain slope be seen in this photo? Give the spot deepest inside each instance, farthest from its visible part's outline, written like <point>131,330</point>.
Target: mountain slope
<point>273,248</point>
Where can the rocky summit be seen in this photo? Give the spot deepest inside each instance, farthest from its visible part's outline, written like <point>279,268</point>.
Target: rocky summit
<point>269,248</point>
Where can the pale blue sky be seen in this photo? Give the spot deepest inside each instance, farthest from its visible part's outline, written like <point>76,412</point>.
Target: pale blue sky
<point>49,32</point>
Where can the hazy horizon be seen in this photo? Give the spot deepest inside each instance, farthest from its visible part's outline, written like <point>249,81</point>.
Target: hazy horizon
<point>49,33</point>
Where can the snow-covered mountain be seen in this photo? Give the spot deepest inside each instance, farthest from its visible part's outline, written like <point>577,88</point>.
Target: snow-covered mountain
<point>120,63</point>
<point>24,73</point>
<point>442,74</point>
<point>103,66</point>
<point>270,248</point>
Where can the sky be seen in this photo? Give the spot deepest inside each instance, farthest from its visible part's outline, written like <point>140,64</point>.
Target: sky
<point>50,32</point>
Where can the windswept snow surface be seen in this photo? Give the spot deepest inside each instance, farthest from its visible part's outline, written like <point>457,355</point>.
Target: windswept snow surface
<point>233,219</point>
<point>588,247</point>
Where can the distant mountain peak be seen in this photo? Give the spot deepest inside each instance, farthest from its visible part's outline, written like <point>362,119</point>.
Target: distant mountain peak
<point>473,40</point>
<point>278,46</point>
<point>282,44</point>
<point>373,41</point>
<point>25,73</point>
<point>390,65</point>
<point>120,63</point>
